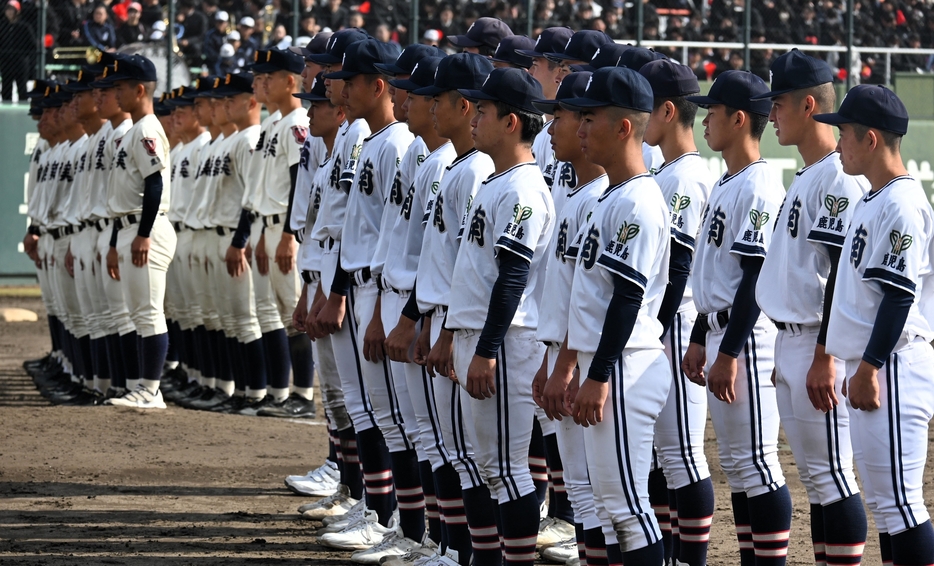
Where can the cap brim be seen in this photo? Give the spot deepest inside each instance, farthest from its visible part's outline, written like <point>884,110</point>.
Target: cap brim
<point>340,75</point>
<point>771,94</point>
<point>35,111</point>
<point>103,83</point>
<point>177,102</point>
<point>473,95</point>
<point>833,118</point>
<point>583,68</point>
<point>581,103</point>
<point>429,91</point>
<point>404,84</point>
<point>310,96</point>
<point>546,106</point>
<point>528,53</point>
<point>324,59</point>
<point>390,70</point>
<point>463,41</point>
<point>559,57</point>
<point>77,87</point>
<point>225,91</point>
<point>703,101</point>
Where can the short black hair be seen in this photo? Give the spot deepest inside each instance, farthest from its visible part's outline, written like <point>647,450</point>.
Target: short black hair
<point>890,139</point>
<point>531,124</point>
<point>687,111</point>
<point>757,122</point>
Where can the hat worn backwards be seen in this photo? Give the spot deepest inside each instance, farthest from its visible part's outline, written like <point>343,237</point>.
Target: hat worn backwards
<point>318,92</point>
<point>509,51</point>
<point>873,106</point>
<point>406,61</point>
<point>794,71</point>
<point>614,86</point>
<point>736,89</point>
<point>669,79</point>
<point>514,87</point>
<point>423,75</point>
<point>459,71</point>
<point>484,31</point>
<point>362,57</point>
<point>551,40</point>
<point>337,45</point>
<point>572,86</point>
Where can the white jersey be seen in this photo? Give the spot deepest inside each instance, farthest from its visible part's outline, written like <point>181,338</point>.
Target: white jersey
<point>405,177</point>
<point>562,256</point>
<point>35,162</point>
<point>310,252</point>
<point>102,168</point>
<point>408,228</point>
<point>94,151</point>
<point>512,210</point>
<point>222,204</point>
<point>283,151</point>
<point>195,215</point>
<point>652,155</point>
<point>184,172</point>
<point>313,152</point>
<point>890,241</point>
<point>252,195</point>
<point>735,224</point>
<point>330,220</point>
<point>685,184</point>
<point>48,162</point>
<point>143,151</point>
<point>379,159</point>
<point>816,214</point>
<point>627,236</point>
<point>544,155</point>
<point>443,227</point>
<point>60,212</point>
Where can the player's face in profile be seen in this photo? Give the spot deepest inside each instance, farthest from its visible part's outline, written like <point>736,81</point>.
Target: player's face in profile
<point>218,115</point>
<point>418,109</point>
<point>543,71</point>
<point>598,133</point>
<point>444,113</point>
<point>126,96</point>
<point>308,75</point>
<point>487,129</point>
<point>785,116</point>
<point>334,87</point>
<point>259,88</point>
<point>564,69</point>
<point>184,117</point>
<point>563,130</point>
<point>659,120</point>
<point>86,107</point>
<point>399,96</point>
<point>357,95</point>
<point>326,120</point>
<point>717,127</point>
<point>852,151</point>
<point>203,110</point>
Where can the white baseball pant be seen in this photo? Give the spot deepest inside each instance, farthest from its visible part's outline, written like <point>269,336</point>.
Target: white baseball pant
<point>266,311</point>
<point>286,287</point>
<point>144,287</point>
<point>117,307</point>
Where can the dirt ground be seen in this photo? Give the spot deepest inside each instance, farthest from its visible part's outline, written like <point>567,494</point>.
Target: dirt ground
<point>109,486</point>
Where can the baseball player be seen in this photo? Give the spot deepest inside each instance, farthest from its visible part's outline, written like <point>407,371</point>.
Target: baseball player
<point>620,277</point>
<point>143,241</point>
<point>494,300</point>
<point>482,36</point>
<point>808,382</point>
<point>588,544</point>
<point>735,235</point>
<point>880,322</point>
<point>679,432</point>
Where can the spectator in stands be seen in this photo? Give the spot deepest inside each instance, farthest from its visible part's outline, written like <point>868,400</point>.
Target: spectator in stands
<point>132,30</point>
<point>71,15</point>
<point>214,39</point>
<point>614,25</point>
<point>99,31</point>
<point>17,49</point>
<point>227,61</point>
<point>152,12</point>
<point>355,20</point>
<point>383,33</point>
<point>249,43</point>
<point>158,31</point>
<point>334,15</point>
<point>195,26</point>
<point>279,38</point>
<point>431,37</point>
<point>446,25</point>
<point>308,25</point>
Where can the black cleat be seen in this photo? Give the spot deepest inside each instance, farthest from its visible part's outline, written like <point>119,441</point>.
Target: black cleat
<point>295,407</point>
<point>251,406</point>
<point>211,398</point>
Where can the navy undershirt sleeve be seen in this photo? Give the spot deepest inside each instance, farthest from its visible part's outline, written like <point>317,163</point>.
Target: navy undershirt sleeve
<point>828,294</point>
<point>242,234</point>
<point>679,269</point>
<point>152,199</point>
<point>745,310</point>
<point>890,322</point>
<point>293,175</point>
<point>341,282</point>
<point>504,300</point>
<point>621,316</point>
<point>410,310</point>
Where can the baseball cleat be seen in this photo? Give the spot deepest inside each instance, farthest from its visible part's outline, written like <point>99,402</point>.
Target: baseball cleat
<point>552,531</point>
<point>335,505</point>
<point>321,482</point>
<point>141,398</point>
<point>393,544</point>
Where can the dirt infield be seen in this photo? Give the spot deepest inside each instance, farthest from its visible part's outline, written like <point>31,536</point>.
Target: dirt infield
<point>109,486</point>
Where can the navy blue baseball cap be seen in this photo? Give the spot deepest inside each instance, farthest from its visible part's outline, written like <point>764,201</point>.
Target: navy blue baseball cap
<point>670,79</point>
<point>48,99</point>
<point>511,86</point>
<point>82,83</point>
<point>38,88</point>
<point>317,92</point>
<point>337,45</point>
<point>406,61</point>
<point>234,84</point>
<point>206,86</point>
<point>159,107</point>
<point>551,40</point>
<point>581,46</point>
<point>175,98</point>
<point>280,60</point>
<point>795,70</point>
<point>106,58</point>
<point>459,71</point>
<point>508,51</point>
<point>614,86</point>
<point>134,68</point>
<point>423,75</point>
<point>35,110</point>
<point>362,57</point>
<point>608,55</point>
<point>572,86</point>
<point>736,89</point>
<point>873,106</point>
<point>316,46</point>
<point>484,31</point>
<point>636,57</point>
<point>259,57</point>
<point>105,79</point>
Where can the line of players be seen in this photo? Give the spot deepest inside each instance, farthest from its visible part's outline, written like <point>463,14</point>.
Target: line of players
<point>618,257</point>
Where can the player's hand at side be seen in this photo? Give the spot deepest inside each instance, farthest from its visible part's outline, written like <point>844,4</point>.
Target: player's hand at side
<point>332,314</point>
<point>722,378</point>
<point>31,247</point>
<point>481,378</point>
<point>374,339</point>
<point>538,383</point>
<point>285,253</point>
<point>400,340</point>
<point>140,251</point>
<point>312,328</point>
<point>863,388</point>
<point>587,409</point>
<point>236,261</point>
<point>262,258</point>
<point>820,381</point>
<point>113,267</point>
<point>441,358</point>
<point>423,343</point>
<point>298,315</point>
<point>70,263</point>
<point>695,358</point>
<point>558,402</point>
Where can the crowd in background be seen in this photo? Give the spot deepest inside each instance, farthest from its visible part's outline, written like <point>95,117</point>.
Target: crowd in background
<point>220,36</point>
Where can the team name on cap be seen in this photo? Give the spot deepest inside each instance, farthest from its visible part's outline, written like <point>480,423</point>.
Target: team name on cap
<point>116,65</point>
<point>416,67</point>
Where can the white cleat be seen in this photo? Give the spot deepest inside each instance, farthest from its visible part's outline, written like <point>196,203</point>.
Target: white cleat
<point>363,534</point>
<point>337,523</point>
<point>335,505</point>
<point>140,398</point>
<point>573,562</point>
<point>552,531</point>
<point>418,555</point>
<point>561,552</point>
<point>393,544</point>
<point>321,482</point>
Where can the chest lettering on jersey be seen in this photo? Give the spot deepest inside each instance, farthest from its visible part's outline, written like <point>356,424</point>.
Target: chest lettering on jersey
<point>395,195</point>
<point>271,148</point>
<point>568,176</point>
<point>794,215</point>
<point>858,246</point>
<point>477,226</point>
<point>317,201</point>
<point>561,244</point>
<point>260,142</point>
<point>549,173</point>
<point>900,242</point>
<point>216,170</point>
<point>303,157</point>
<point>678,203</point>
<point>66,173</point>
<point>519,214</point>
<point>715,232</point>
<point>591,247</point>
<point>183,168</point>
<point>84,160</point>
<point>121,159</point>
<point>438,217</point>
<point>407,203</point>
<point>366,178</point>
<point>37,154</point>
<point>205,169</point>
<point>335,173</point>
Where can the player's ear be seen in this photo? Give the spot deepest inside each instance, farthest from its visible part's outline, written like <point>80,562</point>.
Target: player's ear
<point>873,139</point>
<point>512,123</point>
<point>739,119</point>
<point>624,128</point>
<point>379,86</point>
<point>669,111</point>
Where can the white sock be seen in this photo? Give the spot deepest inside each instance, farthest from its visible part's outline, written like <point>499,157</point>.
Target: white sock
<point>279,393</point>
